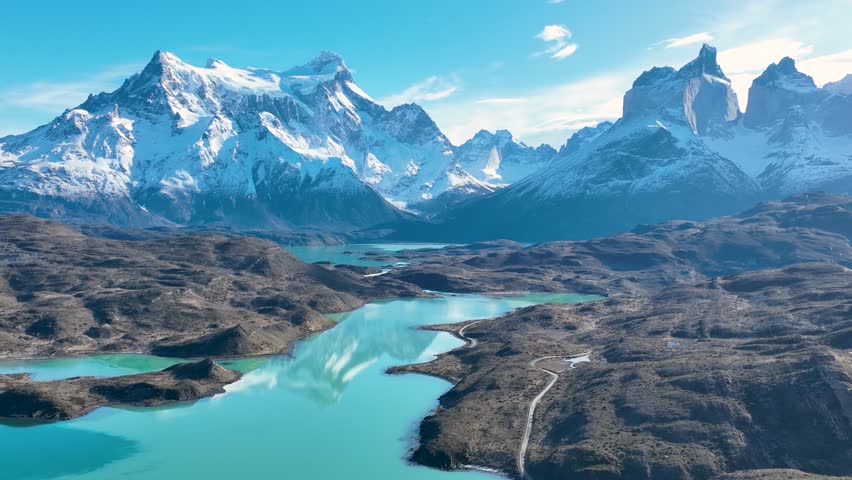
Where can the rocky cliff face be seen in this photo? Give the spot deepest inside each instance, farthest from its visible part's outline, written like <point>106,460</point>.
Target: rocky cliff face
<point>773,93</point>
<point>698,94</point>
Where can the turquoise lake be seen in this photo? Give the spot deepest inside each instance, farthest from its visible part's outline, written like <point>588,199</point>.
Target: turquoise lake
<point>328,412</point>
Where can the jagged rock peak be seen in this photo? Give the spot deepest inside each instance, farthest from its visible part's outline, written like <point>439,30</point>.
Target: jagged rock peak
<point>499,137</point>
<point>698,95</point>
<point>784,74</point>
<point>778,88</point>
<point>705,63</point>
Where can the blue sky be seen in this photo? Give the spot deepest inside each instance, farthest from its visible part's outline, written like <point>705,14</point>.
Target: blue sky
<point>541,68</point>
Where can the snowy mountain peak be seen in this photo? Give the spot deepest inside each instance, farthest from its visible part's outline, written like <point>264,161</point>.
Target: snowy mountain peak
<point>583,137</point>
<point>327,61</point>
<point>787,65</point>
<point>410,123</point>
<point>214,63</point>
<point>785,75</point>
<point>653,76</point>
<point>499,159</point>
<point>840,87</point>
<point>704,64</point>
<point>327,64</point>
<point>500,137</point>
<point>780,87</point>
<point>162,61</point>
<point>186,144</point>
<point>504,136</point>
<point>698,95</point>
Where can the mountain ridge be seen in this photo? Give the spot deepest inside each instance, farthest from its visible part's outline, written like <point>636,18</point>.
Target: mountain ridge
<point>682,149</point>
<point>177,144</point>
<point>258,149</point>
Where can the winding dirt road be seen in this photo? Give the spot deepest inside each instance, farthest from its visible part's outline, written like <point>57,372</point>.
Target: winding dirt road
<point>522,452</point>
<point>471,342</point>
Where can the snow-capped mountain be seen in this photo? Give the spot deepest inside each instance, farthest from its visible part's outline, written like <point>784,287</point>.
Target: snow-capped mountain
<point>251,147</point>
<point>180,144</point>
<point>794,137</point>
<point>499,159</point>
<point>582,137</point>
<point>682,149</point>
<point>482,165</point>
<point>655,147</point>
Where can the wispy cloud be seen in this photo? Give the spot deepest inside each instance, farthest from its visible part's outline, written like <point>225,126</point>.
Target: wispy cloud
<point>501,100</point>
<point>558,37</point>
<point>24,106</point>
<point>703,37</point>
<point>429,89</point>
<point>555,1</point>
<point>544,115</point>
<point>756,56</point>
<point>54,97</point>
<point>828,68</point>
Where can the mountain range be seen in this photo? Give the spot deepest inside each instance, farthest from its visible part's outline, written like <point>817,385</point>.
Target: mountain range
<point>682,149</point>
<point>253,148</point>
<point>183,145</point>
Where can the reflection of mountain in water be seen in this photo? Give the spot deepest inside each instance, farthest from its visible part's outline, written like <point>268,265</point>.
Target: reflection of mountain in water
<point>325,364</point>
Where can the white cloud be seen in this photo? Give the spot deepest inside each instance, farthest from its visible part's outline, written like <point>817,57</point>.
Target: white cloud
<point>703,37</point>
<point>429,89</point>
<point>827,68</point>
<point>54,97</point>
<point>552,33</point>
<point>567,51</point>
<point>545,115</point>
<point>557,36</point>
<point>555,1</point>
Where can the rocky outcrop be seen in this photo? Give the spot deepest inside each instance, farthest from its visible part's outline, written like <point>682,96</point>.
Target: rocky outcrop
<point>23,398</point>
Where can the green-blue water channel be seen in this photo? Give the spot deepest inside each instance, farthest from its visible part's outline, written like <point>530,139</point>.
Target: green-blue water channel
<point>94,366</point>
<point>329,412</point>
<point>354,254</point>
